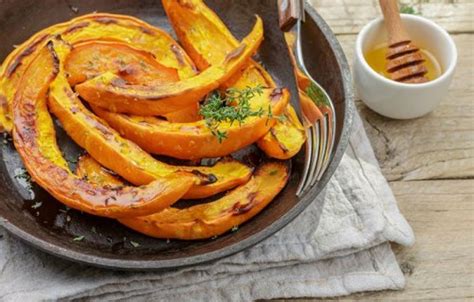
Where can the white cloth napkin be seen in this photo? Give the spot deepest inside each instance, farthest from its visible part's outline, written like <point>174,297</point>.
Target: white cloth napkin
<point>347,252</point>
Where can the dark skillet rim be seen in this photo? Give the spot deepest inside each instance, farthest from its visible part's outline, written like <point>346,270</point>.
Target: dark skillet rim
<point>306,200</point>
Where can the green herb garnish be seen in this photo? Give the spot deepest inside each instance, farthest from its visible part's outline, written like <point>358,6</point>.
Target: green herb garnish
<point>134,244</point>
<point>78,238</point>
<point>231,106</point>
<point>407,9</point>
<point>37,205</point>
<point>316,95</point>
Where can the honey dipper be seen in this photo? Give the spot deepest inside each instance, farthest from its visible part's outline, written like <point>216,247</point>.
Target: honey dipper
<point>404,59</point>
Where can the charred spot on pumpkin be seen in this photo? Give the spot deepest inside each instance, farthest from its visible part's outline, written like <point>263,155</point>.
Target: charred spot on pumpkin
<point>54,55</point>
<point>76,27</point>
<point>105,20</point>
<point>3,103</point>
<point>205,179</point>
<point>239,209</point>
<point>280,144</point>
<point>178,54</point>
<point>91,192</point>
<point>118,189</point>
<point>235,53</point>
<point>108,199</point>
<point>146,30</point>
<point>127,70</point>
<point>25,53</point>
<point>276,94</point>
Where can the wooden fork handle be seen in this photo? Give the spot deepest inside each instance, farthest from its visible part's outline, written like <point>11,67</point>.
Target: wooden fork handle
<point>290,11</point>
<point>396,31</point>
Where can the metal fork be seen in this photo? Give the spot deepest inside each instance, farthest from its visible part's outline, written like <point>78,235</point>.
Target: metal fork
<point>320,133</point>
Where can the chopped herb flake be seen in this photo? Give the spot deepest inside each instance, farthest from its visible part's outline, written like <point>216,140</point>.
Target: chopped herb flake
<point>134,244</point>
<point>37,205</point>
<point>78,238</point>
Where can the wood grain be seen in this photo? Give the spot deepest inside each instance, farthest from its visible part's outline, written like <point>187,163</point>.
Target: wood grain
<point>349,16</point>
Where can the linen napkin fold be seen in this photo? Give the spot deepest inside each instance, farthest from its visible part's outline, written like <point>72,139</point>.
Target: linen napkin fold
<point>347,252</point>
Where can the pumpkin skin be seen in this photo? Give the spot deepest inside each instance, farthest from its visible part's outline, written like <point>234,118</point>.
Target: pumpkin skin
<point>217,217</point>
<point>195,140</point>
<point>204,220</point>
<point>116,95</point>
<point>34,139</point>
<point>124,157</point>
<point>97,26</point>
<point>193,21</point>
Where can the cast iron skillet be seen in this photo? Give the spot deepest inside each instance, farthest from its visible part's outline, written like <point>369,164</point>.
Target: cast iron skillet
<point>31,214</point>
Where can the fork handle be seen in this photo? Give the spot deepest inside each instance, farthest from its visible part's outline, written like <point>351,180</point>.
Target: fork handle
<point>290,11</point>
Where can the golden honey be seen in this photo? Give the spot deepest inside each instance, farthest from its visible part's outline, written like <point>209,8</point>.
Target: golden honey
<point>377,61</point>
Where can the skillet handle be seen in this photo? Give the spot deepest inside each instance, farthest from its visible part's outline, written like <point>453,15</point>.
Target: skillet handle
<point>290,11</point>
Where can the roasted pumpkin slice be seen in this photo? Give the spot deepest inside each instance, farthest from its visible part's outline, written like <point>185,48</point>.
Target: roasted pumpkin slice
<point>217,217</point>
<point>114,94</point>
<point>196,140</point>
<point>35,141</point>
<point>123,156</point>
<point>284,136</point>
<point>193,23</point>
<point>90,59</point>
<point>88,168</point>
<point>119,28</point>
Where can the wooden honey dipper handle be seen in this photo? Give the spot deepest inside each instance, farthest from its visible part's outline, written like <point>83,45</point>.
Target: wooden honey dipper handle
<point>404,60</point>
<point>396,31</point>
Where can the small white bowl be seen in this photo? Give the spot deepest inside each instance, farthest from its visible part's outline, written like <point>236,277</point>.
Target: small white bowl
<point>399,100</point>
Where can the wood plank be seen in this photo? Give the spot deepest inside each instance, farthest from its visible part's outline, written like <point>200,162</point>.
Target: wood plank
<point>348,17</point>
<point>437,146</point>
<point>440,264</point>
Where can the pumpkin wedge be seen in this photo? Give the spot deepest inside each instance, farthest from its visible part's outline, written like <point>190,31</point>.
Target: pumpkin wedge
<point>217,217</point>
<point>283,139</point>
<point>123,156</point>
<point>114,94</point>
<point>97,26</point>
<point>88,168</point>
<point>196,140</point>
<point>91,58</point>
<point>193,23</point>
<point>35,141</point>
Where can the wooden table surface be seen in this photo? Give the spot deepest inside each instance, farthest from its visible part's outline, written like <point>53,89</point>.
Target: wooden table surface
<point>429,161</point>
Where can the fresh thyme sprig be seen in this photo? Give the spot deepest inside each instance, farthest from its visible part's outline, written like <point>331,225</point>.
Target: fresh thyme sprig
<point>231,106</point>
<point>316,95</point>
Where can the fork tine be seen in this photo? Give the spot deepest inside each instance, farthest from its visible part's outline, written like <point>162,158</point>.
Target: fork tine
<point>320,159</point>
<point>316,139</point>
<point>331,135</point>
<point>321,135</point>
<point>307,162</point>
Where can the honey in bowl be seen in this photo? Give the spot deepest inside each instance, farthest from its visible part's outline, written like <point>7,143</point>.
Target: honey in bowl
<point>377,61</point>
